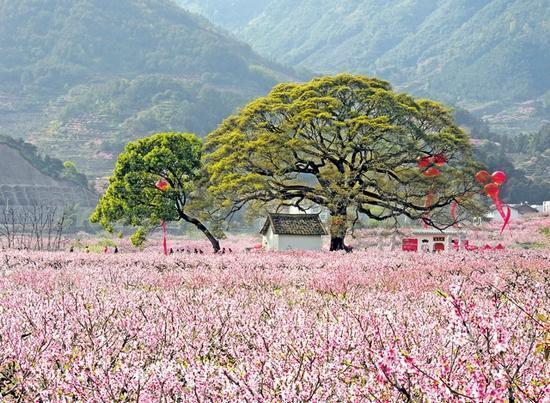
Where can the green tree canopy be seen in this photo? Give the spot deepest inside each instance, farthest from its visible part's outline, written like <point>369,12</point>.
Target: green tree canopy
<point>133,197</point>
<point>347,143</point>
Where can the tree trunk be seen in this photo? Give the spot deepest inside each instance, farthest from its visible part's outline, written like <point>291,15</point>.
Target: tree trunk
<point>200,226</point>
<point>336,243</point>
<point>338,229</point>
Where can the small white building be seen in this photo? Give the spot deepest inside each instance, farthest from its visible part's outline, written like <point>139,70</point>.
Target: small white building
<point>433,240</point>
<point>546,207</point>
<point>293,232</point>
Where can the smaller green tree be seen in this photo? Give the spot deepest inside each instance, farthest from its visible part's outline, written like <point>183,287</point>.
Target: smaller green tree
<point>134,198</point>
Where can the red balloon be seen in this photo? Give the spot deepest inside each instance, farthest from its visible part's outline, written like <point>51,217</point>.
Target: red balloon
<point>431,172</point>
<point>483,177</point>
<point>499,177</point>
<point>440,160</point>
<point>424,162</point>
<point>491,189</point>
<point>162,185</point>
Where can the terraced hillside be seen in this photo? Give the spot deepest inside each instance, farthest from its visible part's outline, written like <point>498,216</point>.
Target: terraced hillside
<point>22,184</point>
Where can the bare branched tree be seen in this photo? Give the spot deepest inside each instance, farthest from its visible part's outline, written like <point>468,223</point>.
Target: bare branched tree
<point>32,227</point>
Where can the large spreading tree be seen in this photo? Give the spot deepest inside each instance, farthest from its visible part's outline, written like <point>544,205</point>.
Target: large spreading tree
<point>349,144</point>
<point>157,179</point>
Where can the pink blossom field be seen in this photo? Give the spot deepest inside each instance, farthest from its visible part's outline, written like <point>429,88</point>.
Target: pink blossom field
<point>375,325</point>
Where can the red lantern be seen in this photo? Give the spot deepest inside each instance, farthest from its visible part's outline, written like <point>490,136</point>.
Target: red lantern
<point>483,177</point>
<point>424,162</point>
<point>440,160</point>
<point>162,185</point>
<point>499,177</point>
<point>492,190</point>
<point>432,172</point>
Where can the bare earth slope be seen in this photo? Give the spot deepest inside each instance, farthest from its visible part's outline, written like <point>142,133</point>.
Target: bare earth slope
<point>21,184</point>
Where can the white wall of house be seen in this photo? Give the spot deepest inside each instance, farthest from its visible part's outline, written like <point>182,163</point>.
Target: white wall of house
<point>273,241</point>
<point>428,239</point>
<point>546,207</point>
<point>426,243</point>
<point>270,240</point>
<point>299,242</point>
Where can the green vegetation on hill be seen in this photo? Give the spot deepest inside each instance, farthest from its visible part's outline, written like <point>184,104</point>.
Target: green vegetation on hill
<point>525,158</point>
<point>79,77</point>
<point>60,43</point>
<point>110,114</point>
<point>461,51</point>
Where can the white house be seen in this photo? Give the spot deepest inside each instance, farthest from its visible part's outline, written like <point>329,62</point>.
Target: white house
<point>293,232</point>
<point>433,240</point>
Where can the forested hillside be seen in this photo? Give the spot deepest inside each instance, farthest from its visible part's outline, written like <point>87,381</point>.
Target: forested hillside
<point>82,77</point>
<point>524,157</point>
<point>488,55</point>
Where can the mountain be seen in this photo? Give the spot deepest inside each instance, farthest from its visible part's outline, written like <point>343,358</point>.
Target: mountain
<point>233,15</point>
<point>79,78</point>
<point>491,56</point>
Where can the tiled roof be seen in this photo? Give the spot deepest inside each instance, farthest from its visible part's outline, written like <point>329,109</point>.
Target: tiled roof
<point>433,231</point>
<point>294,224</point>
<point>524,209</point>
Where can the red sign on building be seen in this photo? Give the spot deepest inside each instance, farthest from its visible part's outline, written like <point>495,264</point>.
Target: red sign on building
<point>410,245</point>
